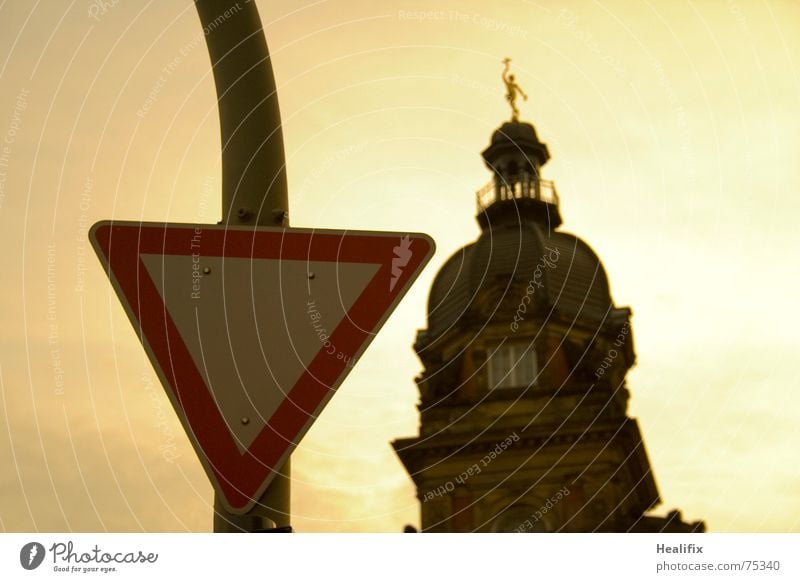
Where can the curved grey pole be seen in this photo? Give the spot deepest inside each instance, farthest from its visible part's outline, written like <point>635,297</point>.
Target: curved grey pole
<point>254,189</point>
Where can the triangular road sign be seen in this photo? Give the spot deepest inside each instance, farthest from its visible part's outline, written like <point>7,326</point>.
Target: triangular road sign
<point>251,331</point>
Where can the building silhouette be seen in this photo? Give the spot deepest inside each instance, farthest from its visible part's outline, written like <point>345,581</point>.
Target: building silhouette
<point>523,398</point>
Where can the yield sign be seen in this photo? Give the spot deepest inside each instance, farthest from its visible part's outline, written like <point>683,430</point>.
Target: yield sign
<point>252,330</point>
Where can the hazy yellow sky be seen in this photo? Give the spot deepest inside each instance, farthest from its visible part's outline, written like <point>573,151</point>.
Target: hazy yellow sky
<point>675,134</point>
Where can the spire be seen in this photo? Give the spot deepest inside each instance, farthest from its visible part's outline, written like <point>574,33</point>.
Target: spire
<point>515,157</point>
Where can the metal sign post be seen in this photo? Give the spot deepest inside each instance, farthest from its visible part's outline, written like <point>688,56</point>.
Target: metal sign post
<point>254,188</point>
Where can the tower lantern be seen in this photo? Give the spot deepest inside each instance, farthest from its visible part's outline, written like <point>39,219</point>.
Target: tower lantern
<point>515,157</point>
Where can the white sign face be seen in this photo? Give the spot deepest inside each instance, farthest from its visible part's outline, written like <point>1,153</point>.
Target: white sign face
<point>252,330</point>
<point>252,342</point>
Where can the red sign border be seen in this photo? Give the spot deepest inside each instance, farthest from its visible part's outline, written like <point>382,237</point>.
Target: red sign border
<point>240,478</point>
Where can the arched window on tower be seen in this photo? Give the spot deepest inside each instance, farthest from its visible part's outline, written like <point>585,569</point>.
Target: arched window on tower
<point>513,365</point>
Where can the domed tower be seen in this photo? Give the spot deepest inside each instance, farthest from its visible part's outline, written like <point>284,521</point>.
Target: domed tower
<point>523,400</point>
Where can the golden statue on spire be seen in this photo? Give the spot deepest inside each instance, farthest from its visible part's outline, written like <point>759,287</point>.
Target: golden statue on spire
<point>512,90</point>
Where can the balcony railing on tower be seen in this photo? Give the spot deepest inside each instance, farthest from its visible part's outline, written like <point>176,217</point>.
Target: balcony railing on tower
<point>496,191</point>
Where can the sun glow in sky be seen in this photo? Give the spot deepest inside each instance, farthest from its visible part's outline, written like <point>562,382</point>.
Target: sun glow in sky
<point>674,134</point>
